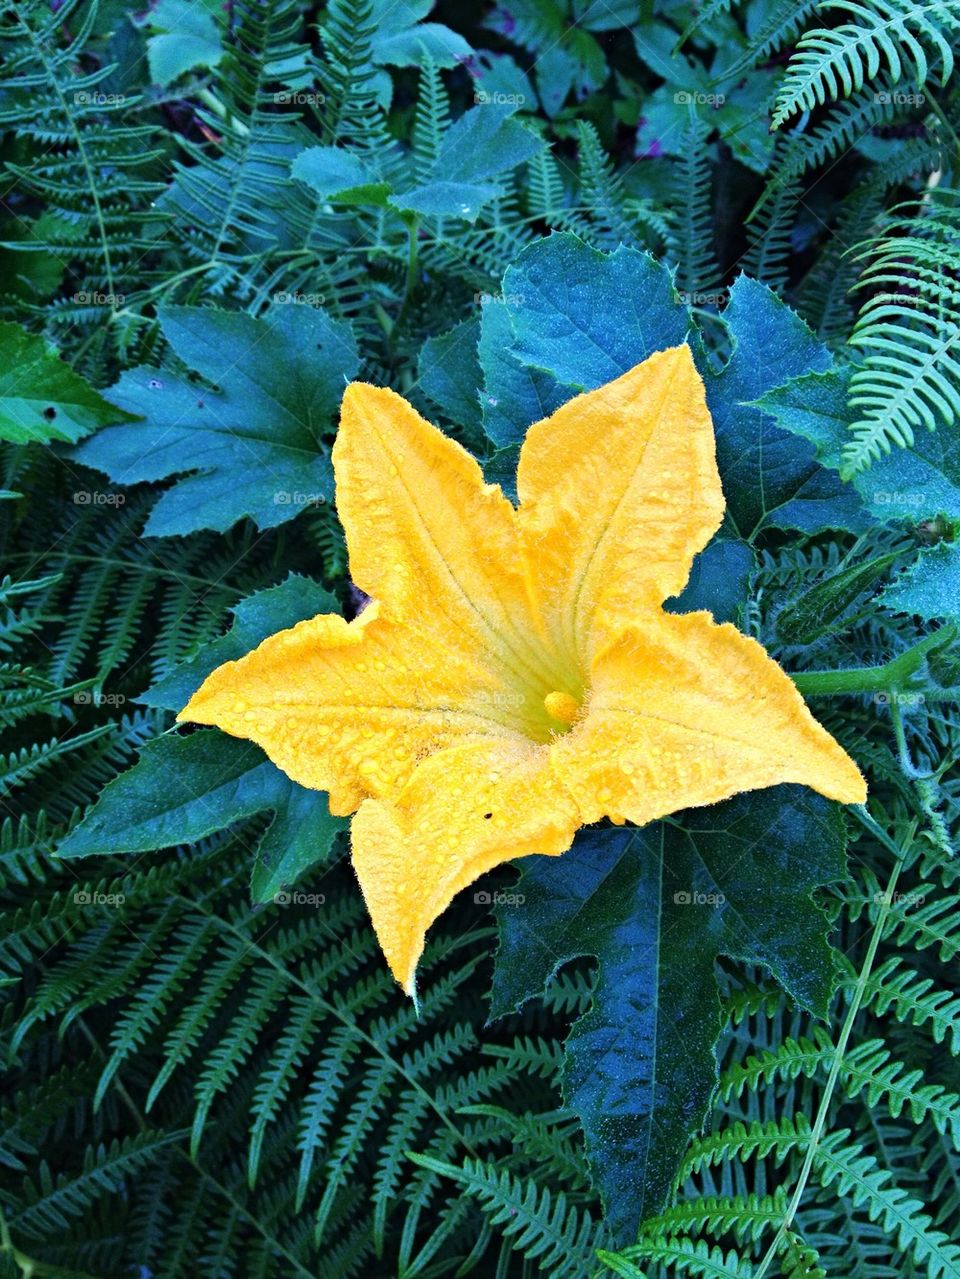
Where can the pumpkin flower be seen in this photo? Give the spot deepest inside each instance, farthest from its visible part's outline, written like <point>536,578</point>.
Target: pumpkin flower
<point>515,676</point>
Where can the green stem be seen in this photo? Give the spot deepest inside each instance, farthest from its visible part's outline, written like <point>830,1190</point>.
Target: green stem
<point>840,1051</point>
<point>874,679</point>
<point>907,766</point>
<point>412,278</point>
<point>412,260</point>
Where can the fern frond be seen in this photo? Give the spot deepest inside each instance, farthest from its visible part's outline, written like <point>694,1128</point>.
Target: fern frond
<point>96,174</point>
<point>858,1175</point>
<point>771,225</point>
<point>543,1227</point>
<point>747,1217</point>
<point>901,35</point>
<point>779,24</point>
<point>909,332</point>
<point>687,1256</point>
<point>692,229</point>
<point>915,999</point>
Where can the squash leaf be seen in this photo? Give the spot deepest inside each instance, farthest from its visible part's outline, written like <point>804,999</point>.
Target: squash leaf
<point>252,439</point>
<point>656,907</point>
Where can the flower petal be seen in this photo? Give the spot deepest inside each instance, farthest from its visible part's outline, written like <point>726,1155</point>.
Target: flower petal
<point>619,490</point>
<point>350,708</point>
<point>425,531</point>
<point>464,811</point>
<point>684,713</point>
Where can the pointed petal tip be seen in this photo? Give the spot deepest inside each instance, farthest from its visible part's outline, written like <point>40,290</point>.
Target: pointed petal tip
<point>855,787</point>
<point>189,713</point>
<point>679,358</point>
<point>199,709</point>
<point>681,352</point>
<point>842,781</point>
<point>680,355</point>
<point>402,961</point>
<point>356,392</point>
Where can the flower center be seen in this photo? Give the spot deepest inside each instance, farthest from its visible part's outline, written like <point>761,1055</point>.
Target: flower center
<point>562,707</point>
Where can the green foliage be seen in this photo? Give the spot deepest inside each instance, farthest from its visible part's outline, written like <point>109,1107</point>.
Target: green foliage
<point>930,588</point>
<point>898,35</point>
<point>252,438</point>
<point>908,331</point>
<point>41,398</point>
<point>655,1012</point>
<point>212,217</point>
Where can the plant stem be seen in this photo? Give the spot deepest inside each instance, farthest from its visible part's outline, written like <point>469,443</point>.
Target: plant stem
<point>845,1032</point>
<point>873,679</point>
<point>412,260</point>
<point>412,278</point>
<point>907,766</point>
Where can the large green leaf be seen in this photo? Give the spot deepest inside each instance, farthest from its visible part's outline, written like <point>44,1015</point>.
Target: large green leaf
<point>402,37</point>
<point>770,477</point>
<point>910,484</point>
<point>186,36</point>
<point>42,400</point>
<point>515,393</point>
<point>252,442</point>
<point>930,587</point>
<point>656,906</point>
<point>340,176</point>
<point>185,788</point>
<point>556,329</point>
<point>449,373</point>
<point>476,152</point>
<point>572,317</point>
<point>584,316</point>
<point>719,581</point>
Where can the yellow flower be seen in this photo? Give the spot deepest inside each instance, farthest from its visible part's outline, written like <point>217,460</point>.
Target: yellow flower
<point>515,676</point>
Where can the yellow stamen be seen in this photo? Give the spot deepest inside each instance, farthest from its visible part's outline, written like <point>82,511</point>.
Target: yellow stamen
<point>562,707</point>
